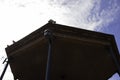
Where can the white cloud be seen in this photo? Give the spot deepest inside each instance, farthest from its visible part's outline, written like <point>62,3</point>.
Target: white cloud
<point>64,12</point>
<point>104,14</point>
<point>88,14</point>
<point>80,13</point>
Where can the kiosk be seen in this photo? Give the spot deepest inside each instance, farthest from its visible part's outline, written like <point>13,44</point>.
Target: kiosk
<point>59,52</point>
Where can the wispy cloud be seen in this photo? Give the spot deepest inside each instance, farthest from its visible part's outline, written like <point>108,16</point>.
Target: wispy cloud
<point>88,14</point>
<point>104,13</point>
<point>75,12</point>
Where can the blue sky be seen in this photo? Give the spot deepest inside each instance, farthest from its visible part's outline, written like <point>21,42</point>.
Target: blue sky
<point>20,17</point>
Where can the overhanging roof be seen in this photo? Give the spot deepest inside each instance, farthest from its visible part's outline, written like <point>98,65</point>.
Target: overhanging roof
<point>76,54</point>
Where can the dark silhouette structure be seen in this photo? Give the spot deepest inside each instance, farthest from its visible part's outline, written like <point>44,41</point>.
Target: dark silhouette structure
<point>59,52</point>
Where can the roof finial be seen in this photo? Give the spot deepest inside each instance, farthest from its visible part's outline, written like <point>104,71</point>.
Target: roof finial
<point>51,21</point>
<point>13,41</point>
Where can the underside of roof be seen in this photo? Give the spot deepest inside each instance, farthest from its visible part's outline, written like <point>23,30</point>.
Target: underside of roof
<point>77,54</point>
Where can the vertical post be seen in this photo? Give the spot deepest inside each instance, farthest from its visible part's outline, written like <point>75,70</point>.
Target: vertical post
<point>5,68</point>
<point>48,35</point>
